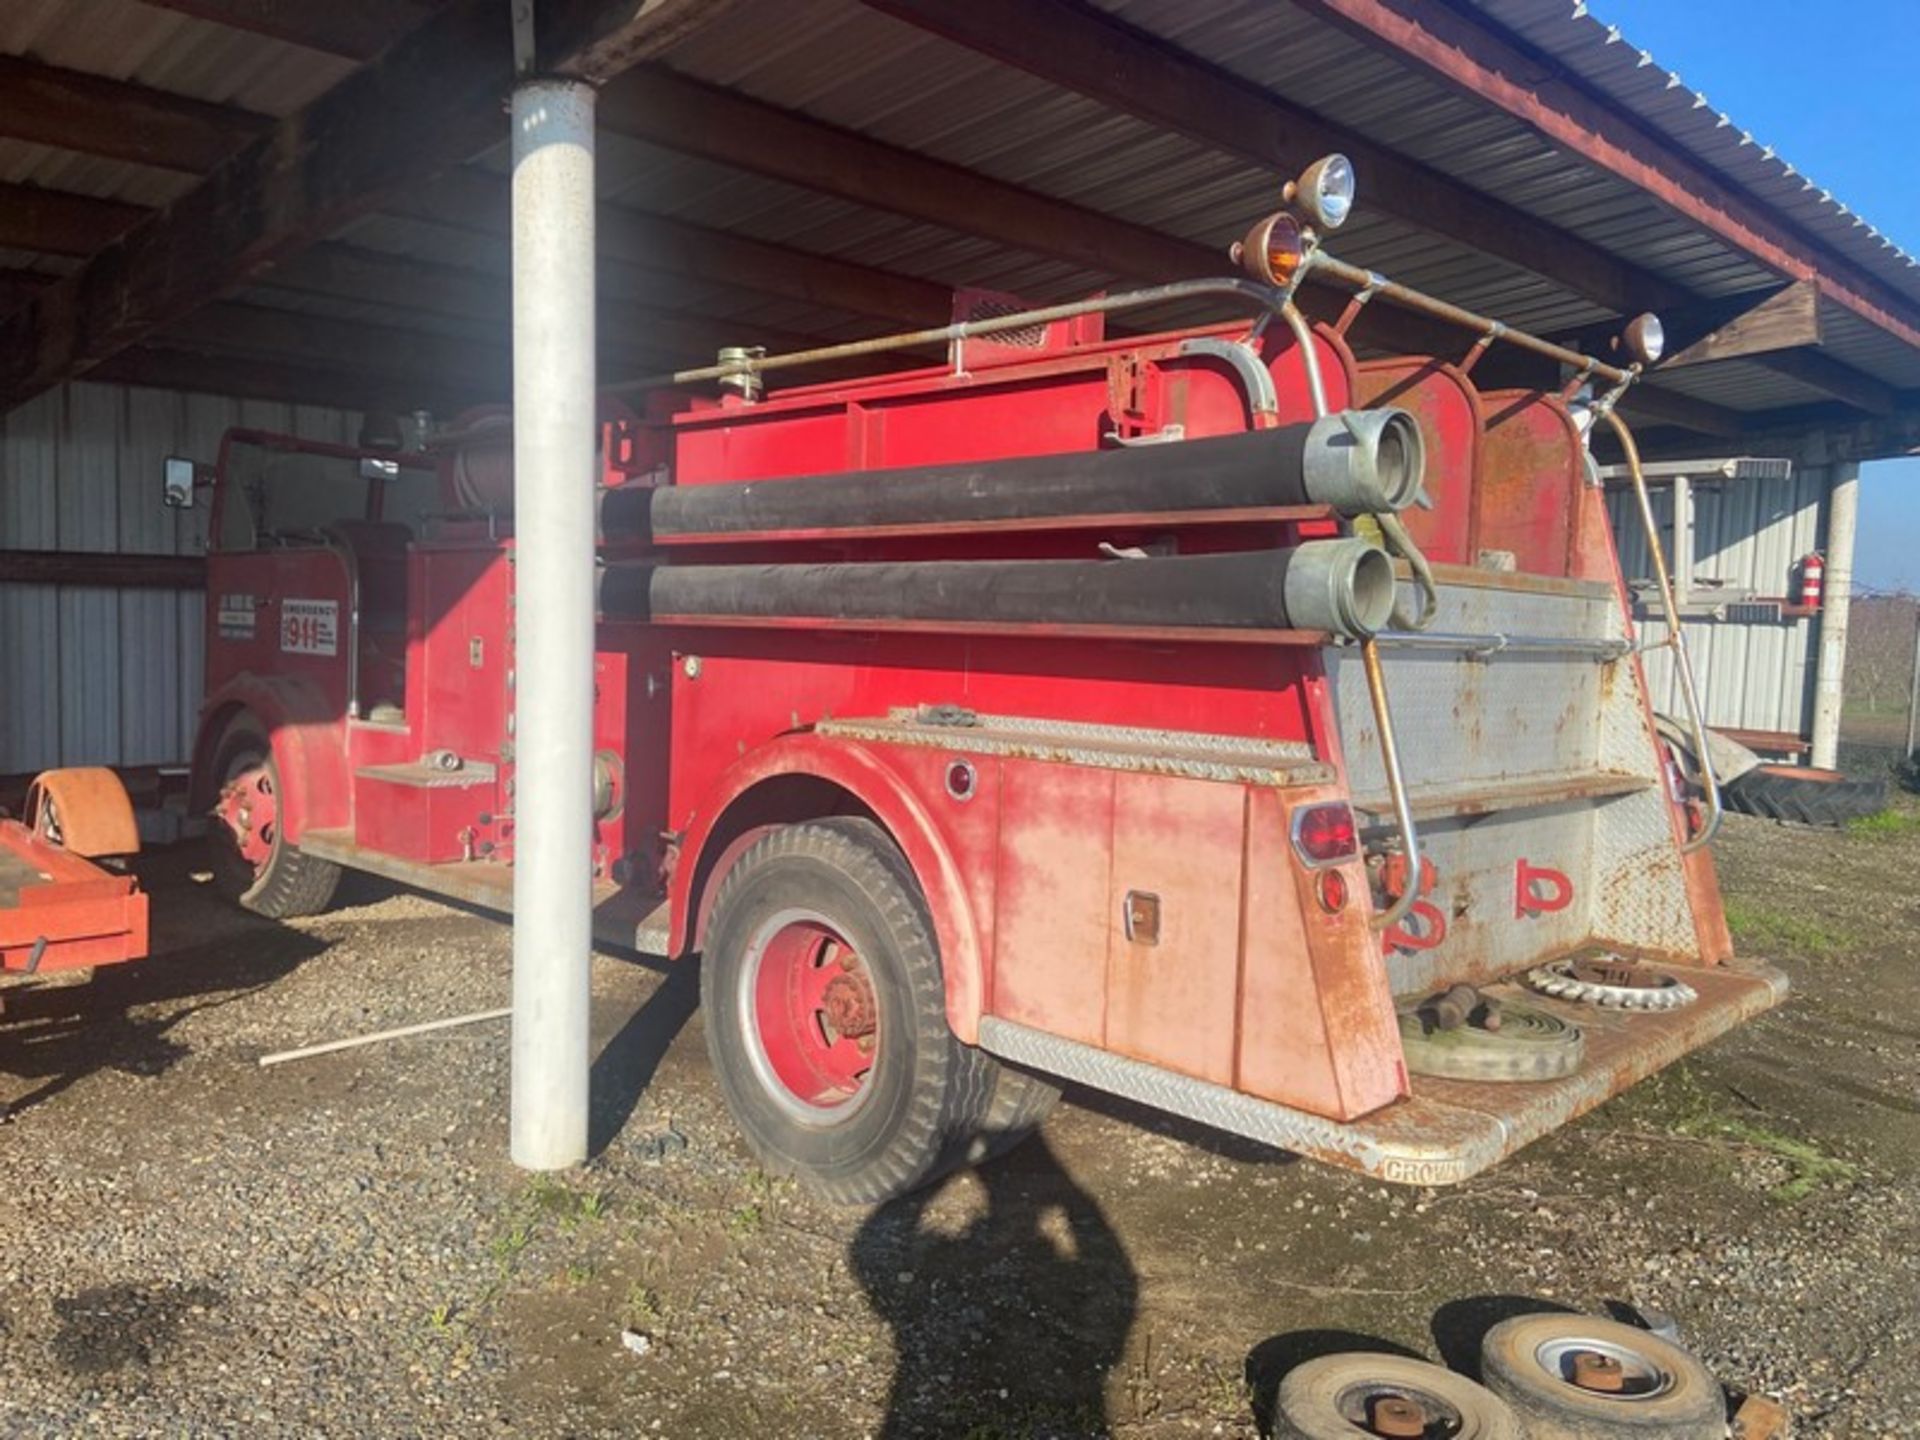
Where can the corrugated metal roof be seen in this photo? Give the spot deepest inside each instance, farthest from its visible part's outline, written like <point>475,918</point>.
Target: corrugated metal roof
<point>1608,61</point>
<point>849,65</point>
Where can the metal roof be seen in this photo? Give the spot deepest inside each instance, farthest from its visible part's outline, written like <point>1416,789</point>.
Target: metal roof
<point>1611,64</point>
<point>846,64</point>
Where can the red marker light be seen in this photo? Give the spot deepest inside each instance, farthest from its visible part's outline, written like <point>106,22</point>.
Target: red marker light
<point>1325,834</point>
<point>1330,887</point>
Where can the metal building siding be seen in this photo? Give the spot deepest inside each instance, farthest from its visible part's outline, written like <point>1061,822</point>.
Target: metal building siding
<point>1746,533</point>
<point>91,674</point>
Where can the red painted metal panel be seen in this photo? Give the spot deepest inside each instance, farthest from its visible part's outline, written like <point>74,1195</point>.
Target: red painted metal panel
<point>1054,889</point>
<point>1531,472</point>
<point>85,915</point>
<point>1171,999</point>
<point>1447,407</point>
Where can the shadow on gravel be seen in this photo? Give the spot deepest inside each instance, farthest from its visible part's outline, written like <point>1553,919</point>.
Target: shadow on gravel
<point>1460,1325</point>
<point>1269,1362</point>
<point>1010,1323</point>
<point>60,1034</point>
<point>110,1327</point>
<point>623,1069</point>
<point>1187,1132</point>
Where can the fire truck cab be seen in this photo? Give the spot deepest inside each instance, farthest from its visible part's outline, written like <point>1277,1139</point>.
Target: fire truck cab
<point>1208,716</point>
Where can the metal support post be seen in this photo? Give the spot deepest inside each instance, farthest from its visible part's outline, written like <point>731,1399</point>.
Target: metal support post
<point>554,447</point>
<point>1829,686</point>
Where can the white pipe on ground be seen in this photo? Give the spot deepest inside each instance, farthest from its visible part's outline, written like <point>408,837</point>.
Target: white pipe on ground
<point>554,450</point>
<point>1843,512</point>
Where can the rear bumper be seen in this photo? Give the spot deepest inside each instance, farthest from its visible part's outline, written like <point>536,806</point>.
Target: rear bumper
<point>1447,1130</point>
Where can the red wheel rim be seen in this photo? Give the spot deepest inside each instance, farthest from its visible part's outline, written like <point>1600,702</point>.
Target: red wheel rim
<point>811,1018</point>
<point>250,810</point>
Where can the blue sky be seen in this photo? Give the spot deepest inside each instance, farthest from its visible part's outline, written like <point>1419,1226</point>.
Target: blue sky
<point>1834,90</point>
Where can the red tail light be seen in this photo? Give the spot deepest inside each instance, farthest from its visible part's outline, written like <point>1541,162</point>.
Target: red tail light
<point>1325,834</point>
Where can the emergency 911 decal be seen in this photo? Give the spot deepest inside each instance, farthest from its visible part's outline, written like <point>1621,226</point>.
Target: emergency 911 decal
<point>310,627</point>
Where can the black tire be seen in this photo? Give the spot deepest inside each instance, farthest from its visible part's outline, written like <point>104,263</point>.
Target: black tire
<point>1016,1106</point>
<point>1804,797</point>
<point>924,1092</point>
<point>1332,1398</point>
<point>290,884</point>
<point>1668,1394</point>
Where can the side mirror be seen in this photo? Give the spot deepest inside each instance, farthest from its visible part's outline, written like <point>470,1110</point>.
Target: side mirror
<point>181,475</point>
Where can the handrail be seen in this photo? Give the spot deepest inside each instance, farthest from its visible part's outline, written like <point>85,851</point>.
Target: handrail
<point>1676,639</point>
<point>1262,297</point>
<point>1375,673</point>
<point>1495,643</point>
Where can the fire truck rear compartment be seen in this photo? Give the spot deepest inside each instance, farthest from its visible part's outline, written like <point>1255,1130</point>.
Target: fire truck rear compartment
<point>1448,1130</point>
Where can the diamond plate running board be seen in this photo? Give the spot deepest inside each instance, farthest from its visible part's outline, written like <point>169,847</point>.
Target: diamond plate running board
<point>1447,1130</point>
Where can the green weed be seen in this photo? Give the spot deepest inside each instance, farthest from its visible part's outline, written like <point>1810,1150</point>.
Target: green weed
<point>1888,824</point>
<point>1770,928</point>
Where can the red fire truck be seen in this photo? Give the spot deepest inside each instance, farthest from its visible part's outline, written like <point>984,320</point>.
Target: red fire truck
<point>1206,716</point>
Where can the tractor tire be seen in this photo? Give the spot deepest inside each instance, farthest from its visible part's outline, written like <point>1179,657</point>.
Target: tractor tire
<point>826,1015</point>
<point>1800,796</point>
<point>261,871</point>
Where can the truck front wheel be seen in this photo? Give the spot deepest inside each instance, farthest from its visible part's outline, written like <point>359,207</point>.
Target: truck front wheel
<point>826,1014</point>
<point>254,866</point>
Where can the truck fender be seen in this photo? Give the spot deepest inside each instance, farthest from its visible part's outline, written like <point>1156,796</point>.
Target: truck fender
<point>307,747</point>
<point>865,777</point>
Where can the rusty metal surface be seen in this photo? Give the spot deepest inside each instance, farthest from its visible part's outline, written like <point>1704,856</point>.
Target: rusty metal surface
<point>1230,758</point>
<point>84,809</point>
<point>624,918</point>
<point>1448,1130</point>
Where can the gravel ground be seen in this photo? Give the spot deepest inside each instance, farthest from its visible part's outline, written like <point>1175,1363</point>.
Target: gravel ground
<point>338,1247</point>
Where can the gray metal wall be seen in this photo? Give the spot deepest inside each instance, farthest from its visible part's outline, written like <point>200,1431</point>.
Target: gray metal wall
<point>1747,533</point>
<point>99,676</point>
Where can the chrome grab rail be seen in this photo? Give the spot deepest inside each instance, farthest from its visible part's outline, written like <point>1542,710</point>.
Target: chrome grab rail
<point>1676,639</point>
<point>1376,674</point>
<point>1497,643</point>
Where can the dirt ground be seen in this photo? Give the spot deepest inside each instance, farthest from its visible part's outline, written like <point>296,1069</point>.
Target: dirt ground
<point>339,1247</point>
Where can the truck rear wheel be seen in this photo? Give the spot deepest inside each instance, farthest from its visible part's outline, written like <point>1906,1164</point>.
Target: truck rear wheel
<point>254,866</point>
<point>826,1014</point>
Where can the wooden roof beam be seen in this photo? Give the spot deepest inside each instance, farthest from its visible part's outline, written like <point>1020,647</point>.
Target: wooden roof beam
<point>353,29</point>
<point>117,119</point>
<point>1080,49</point>
<point>59,222</point>
<point>430,100</point>
<point>476,200</point>
<point>666,109</point>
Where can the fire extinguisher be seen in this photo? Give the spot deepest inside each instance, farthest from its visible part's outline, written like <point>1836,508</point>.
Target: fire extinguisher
<point>1813,570</point>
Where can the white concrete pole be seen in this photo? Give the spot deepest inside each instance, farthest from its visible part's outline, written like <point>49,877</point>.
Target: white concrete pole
<point>554,448</point>
<point>1843,513</point>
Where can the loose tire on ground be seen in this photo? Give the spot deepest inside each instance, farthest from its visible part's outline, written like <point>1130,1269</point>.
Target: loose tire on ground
<point>277,881</point>
<point>812,907</point>
<point>1334,1398</point>
<point>1802,796</point>
<point>1667,1394</point>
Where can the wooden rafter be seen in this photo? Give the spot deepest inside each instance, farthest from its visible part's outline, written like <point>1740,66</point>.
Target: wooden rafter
<point>117,119</point>
<point>58,222</point>
<point>355,29</point>
<point>438,87</point>
<point>476,200</point>
<point>1074,46</point>
<point>670,110</point>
